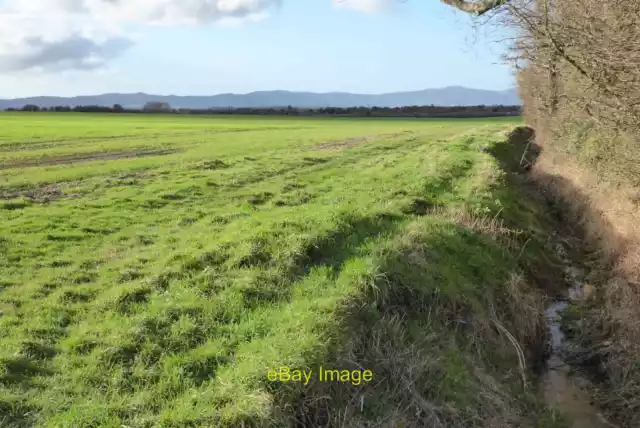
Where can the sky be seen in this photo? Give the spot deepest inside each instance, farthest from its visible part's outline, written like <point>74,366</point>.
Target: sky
<point>206,47</point>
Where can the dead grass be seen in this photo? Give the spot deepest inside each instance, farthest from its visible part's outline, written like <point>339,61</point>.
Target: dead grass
<point>491,226</point>
<point>409,367</point>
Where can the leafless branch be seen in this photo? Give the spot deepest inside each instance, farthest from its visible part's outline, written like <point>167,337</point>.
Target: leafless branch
<point>477,8</point>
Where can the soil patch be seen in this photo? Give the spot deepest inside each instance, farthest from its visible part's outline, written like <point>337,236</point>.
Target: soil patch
<point>41,195</point>
<point>85,157</point>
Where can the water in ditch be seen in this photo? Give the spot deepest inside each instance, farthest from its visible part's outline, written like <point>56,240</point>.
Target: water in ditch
<point>561,386</point>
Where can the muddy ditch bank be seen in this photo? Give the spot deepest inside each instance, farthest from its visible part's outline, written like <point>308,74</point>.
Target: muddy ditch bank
<point>566,383</point>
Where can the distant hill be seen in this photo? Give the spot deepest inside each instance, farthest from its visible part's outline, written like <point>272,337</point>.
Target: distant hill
<point>449,96</point>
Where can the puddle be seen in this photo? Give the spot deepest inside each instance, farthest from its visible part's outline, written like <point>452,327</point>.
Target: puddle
<point>562,387</point>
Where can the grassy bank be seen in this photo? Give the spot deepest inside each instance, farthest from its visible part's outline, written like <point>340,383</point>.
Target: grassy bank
<point>160,286</point>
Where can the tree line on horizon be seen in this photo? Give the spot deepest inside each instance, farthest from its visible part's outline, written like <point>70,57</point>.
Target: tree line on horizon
<point>405,111</point>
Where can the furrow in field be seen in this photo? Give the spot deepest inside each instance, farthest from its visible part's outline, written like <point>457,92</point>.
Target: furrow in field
<point>89,157</point>
<point>39,144</point>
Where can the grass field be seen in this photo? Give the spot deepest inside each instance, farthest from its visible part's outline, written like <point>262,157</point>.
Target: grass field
<point>154,268</point>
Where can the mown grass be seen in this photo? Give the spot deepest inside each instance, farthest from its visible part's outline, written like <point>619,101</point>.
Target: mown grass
<point>159,290</point>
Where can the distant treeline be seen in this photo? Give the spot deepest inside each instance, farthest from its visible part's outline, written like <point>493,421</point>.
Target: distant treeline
<point>406,111</point>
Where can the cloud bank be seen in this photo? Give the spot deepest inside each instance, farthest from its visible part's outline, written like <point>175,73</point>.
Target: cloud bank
<point>54,35</point>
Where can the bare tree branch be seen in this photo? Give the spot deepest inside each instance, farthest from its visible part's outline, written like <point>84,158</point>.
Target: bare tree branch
<point>479,8</point>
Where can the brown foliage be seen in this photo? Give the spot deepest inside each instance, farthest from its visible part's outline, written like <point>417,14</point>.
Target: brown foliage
<point>582,64</point>
<point>581,89</point>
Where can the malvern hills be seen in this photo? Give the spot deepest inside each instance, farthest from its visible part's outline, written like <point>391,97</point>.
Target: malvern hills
<point>449,96</point>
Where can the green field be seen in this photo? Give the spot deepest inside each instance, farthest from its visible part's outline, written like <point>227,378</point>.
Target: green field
<point>154,268</point>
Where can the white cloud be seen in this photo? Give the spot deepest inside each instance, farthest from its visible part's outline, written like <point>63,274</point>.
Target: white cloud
<point>84,34</point>
<point>58,42</point>
<point>367,6</point>
<point>169,12</point>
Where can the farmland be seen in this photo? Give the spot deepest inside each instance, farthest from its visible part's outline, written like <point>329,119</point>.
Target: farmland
<point>154,268</point>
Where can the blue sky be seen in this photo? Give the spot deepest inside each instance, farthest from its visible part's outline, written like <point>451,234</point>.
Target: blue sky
<point>303,45</point>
